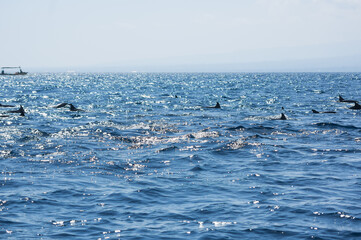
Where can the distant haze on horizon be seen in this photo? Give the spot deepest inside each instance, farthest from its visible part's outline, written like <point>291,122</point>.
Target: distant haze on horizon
<point>181,35</point>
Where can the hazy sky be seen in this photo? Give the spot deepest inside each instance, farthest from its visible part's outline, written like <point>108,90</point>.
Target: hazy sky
<point>131,34</point>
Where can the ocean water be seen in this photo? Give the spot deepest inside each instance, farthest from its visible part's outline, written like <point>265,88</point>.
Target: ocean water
<point>147,160</point>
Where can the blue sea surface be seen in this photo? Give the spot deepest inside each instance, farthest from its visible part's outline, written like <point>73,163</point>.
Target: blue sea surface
<point>147,159</point>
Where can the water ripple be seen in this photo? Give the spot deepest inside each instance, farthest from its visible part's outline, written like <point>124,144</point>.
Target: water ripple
<point>148,159</point>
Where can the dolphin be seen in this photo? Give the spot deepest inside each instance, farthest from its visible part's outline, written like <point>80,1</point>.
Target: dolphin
<point>20,110</point>
<point>217,106</point>
<point>4,105</point>
<point>356,106</point>
<point>71,107</point>
<point>283,117</point>
<point>314,111</point>
<point>61,105</point>
<point>341,99</point>
<point>74,109</point>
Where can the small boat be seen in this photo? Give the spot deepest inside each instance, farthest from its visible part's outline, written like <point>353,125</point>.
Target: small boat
<point>20,72</point>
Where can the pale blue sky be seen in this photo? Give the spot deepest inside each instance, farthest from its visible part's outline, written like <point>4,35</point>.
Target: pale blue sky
<point>181,35</point>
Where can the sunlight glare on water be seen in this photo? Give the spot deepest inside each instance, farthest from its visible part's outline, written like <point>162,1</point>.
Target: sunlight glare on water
<point>148,158</point>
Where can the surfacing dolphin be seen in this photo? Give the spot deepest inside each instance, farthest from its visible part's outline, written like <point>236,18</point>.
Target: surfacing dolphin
<point>315,111</point>
<point>341,99</point>
<point>61,105</point>
<point>356,106</point>
<point>4,105</point>
<point>283,117</point>
<point>20,110</point>
<point>74,109</point>
<point>71,107</point>
<point>217,106</point>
